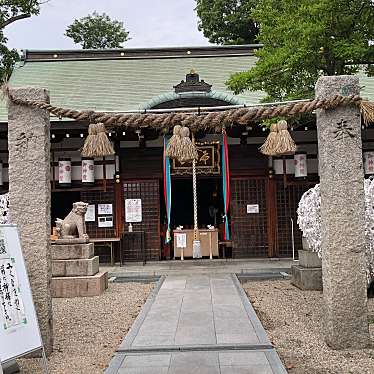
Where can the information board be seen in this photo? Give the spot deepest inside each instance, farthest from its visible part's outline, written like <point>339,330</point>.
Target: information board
<point>19,329</point>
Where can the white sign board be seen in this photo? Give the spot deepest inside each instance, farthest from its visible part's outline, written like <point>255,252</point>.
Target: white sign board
<point>133,210</point>
<point>105,221</point>
<point>181,240</point>
<point>253,208</point>
<point>90,214</point>
<point>19,329</point>
<point>104,209</point>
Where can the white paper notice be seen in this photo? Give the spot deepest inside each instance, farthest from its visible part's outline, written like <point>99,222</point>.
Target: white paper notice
<point>133,210</point>
<point>253,208</point>
<point>90,214</point>
<point>181,240</point>
<point>104,209</point>
<point>105,221</point>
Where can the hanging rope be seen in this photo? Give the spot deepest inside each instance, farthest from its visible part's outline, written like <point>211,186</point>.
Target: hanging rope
<point>99,145</point>
<point>202,121</point>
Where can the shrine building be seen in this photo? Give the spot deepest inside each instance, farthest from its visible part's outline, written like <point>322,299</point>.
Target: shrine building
<point>126,192</point>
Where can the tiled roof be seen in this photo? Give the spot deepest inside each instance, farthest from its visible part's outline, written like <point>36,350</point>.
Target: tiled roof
<point>135,79</point>
<point>128,84</point>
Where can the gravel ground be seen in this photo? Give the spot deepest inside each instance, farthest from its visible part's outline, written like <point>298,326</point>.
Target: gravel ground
<point>293,320</point>
<point>89,329</point>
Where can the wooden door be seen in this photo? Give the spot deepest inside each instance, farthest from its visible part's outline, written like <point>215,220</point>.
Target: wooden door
<point>149,192</point>
<point>288,198</point>
<point>249,230</point>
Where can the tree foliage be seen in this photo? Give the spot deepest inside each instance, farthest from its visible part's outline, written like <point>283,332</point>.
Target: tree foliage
<point>305,39</point>
<point>10,12</point>
<point>97,31</point>
<point>227,21</point>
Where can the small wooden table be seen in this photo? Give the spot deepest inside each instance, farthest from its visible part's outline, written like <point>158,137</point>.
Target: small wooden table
<point>109,242</point>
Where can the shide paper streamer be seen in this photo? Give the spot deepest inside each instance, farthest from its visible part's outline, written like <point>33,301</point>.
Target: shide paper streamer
<point>309,221</point>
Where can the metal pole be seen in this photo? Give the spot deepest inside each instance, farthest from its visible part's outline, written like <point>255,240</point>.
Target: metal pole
<point>293,241</point>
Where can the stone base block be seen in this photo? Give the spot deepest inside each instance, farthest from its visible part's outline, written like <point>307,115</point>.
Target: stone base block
<point>306,278</point>
<point>79,267</point>
<point>309,259</point>
<point>93,285</point>
<point>71,251</point>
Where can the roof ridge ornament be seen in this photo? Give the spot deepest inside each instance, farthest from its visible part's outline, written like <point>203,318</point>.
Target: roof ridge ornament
<point>192,84</point>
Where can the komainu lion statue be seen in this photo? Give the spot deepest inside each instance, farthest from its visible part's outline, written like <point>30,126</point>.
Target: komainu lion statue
<point>73,227</point>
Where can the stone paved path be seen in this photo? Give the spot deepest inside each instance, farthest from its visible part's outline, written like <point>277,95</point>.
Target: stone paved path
<point>201,324</point>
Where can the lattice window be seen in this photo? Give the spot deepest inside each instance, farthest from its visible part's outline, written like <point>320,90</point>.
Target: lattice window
<point>287,201</point>
<point>249,231</point>
<point>100,197</point>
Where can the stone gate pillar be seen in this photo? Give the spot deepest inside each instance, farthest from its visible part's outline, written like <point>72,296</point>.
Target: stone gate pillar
<point>30,197</point>
<point>343,217</point>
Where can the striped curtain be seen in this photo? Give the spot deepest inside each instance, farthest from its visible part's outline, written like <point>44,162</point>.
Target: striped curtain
<point>226,185</point>
<point>167,191</point>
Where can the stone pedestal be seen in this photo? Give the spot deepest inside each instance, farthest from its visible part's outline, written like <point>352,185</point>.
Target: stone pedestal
<point>307,275</point>
<point>75,271</point>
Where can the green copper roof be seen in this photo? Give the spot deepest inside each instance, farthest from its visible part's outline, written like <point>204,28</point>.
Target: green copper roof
<point>139,79</point>
<point>121,85</point>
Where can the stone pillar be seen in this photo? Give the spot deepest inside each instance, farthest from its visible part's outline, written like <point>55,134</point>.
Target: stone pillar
<point>343,217</point>
<point>30,197</point>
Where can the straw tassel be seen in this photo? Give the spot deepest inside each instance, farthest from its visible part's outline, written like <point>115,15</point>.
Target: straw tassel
<point>367,112</point>
<point>174,145</point>
<point>270,143</point>
<point>188,149</point>
<point>279,141</point>
<point>97,143</point>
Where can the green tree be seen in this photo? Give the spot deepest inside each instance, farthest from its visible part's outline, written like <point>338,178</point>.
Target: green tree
<point>10,12</point>
<point>305,39</point>
<point>97,31</point>
<point>227,21</point>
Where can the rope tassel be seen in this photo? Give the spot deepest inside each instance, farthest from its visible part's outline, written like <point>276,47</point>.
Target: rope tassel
<point>97,143</point>
<point>188,151</point>
<point>174,146</point>
<point>279,141</point>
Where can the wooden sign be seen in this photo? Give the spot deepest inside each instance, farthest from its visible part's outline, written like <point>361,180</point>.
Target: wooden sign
<point>208,162</point>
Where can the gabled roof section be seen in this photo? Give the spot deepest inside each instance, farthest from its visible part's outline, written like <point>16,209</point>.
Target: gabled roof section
<point>128,79</point>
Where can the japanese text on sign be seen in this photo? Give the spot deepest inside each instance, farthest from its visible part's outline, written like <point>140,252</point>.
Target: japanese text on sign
<point>11,305</point>
<point>133,210</point>
<point>181,240</point>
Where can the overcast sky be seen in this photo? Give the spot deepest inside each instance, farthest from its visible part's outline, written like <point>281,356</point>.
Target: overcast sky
<point>150,23</point>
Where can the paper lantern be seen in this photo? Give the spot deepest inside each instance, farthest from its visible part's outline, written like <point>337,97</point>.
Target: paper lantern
<point>301,168</point>
<point>1,173</point>
<point>64,172</point>
<point>88,171</point>
<point>369,162</point>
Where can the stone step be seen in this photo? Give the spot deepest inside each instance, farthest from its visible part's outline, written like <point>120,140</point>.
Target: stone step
<point>76,267</point>
<point>93,285</point>
<point>72,251</point>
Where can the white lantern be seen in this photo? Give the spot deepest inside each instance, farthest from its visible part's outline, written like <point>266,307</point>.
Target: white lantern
<point>88,171</point>
<point>1,173</point>
<point>369,162</point>
<point>64,172</point>
<point>301,168</point>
